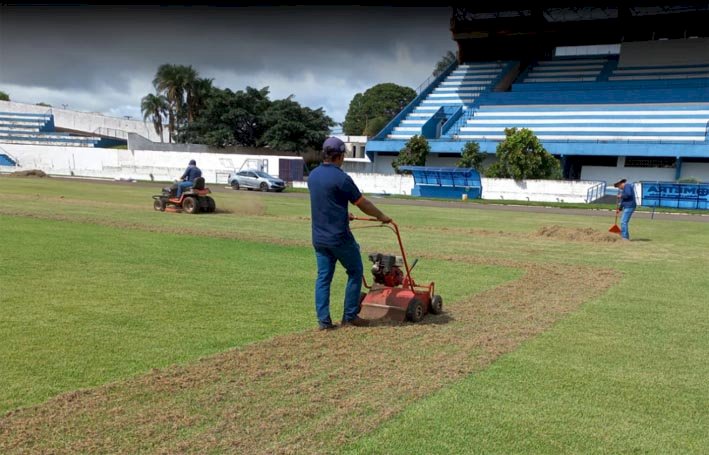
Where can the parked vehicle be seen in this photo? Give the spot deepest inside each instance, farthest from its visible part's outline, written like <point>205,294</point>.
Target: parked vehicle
<point>255,180</point>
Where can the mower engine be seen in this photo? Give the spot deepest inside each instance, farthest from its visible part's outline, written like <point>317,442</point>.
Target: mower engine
<point>170,191</point>
<point>386,269</point>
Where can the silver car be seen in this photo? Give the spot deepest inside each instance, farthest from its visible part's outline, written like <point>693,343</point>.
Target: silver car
<point>255,180</point>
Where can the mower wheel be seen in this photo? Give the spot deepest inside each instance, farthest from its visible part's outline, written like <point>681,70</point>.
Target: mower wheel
<point>414,312</point>
<point>211,205</point>
<point>190,205</point>
<point>159,205</point>
<point>436,305</point>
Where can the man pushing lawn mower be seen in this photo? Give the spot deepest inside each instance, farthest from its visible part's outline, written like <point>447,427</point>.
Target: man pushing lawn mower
<point>331,189</point>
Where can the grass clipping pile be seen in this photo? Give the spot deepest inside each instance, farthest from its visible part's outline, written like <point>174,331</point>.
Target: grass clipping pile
<point>308,392</point>
<point>576,234</point>
<point>29,173</point>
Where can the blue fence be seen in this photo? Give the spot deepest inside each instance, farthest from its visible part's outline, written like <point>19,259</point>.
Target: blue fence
<point>445,182</point>
<point>675,195</point>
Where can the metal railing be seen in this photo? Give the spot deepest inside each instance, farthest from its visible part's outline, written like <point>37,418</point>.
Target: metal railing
<point>595,192</point>
<point>431,78</point>
<point>110,132</point>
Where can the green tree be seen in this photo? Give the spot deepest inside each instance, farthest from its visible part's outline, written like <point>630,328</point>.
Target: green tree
<point>179,84</point>
<point>444,63</point>
<point>375,125</point>
<point>197,91</point>
<point>294,128</point>
<point>378,104</point>
<point>414,153</point>
<point>229,118</point>
<point>471,157</point>
<point>521,156</point>
<point>4,96</point>
<point>155,108</point>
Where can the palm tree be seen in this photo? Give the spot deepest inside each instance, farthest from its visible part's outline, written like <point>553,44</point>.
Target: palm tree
<point>197,92</point>
<point>185,92</point>
<point>155,107</point>
<point>168,81</point>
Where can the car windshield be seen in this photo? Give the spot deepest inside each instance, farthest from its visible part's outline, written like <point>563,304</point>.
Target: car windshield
<point>264,175</point>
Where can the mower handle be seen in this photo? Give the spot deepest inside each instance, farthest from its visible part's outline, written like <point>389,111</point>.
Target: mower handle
<point>359,218</point>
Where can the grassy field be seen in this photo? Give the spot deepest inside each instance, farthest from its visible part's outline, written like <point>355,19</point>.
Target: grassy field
<point>126,330</point>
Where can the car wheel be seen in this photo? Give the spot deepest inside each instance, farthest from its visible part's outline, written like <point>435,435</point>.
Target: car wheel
<point>263,186</point>
<point>234,185</point>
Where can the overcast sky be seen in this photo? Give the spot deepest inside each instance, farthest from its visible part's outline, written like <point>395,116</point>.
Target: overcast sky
<point>103,59</point>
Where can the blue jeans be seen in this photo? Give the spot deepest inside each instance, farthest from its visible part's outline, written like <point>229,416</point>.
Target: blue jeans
<point>624,220</point>
<point>350,258</point>
<point>182,186</point>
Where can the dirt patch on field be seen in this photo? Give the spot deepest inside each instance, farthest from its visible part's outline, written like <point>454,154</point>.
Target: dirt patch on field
<point>29,173</point>
<point>309,392</point>
<point>576,234</point>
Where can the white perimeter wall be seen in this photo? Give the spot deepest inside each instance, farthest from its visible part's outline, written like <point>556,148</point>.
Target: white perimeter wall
<point>130,164</point>
<point>167,166</point>
<point>499,189</point>
<point>84,121</point>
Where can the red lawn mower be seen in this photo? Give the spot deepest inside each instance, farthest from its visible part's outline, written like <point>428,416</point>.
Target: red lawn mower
<point>193,200</point>
<point>394,295</point>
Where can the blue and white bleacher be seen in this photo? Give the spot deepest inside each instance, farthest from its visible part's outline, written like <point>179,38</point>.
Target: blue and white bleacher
<point>566,70</point>
<point>461,88</point>
<point>668,122</point>
<point>38,129</point>
<point>646,73</point>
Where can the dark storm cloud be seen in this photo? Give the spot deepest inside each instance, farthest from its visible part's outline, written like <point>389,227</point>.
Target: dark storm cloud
<point>91,48</point>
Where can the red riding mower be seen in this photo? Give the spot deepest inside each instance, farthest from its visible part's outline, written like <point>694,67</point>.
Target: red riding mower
<point>394,295</point>
<point>192,200</point>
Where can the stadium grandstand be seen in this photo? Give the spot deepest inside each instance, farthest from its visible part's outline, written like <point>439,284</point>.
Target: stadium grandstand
<point>39,129</point>
<point>611,89</point>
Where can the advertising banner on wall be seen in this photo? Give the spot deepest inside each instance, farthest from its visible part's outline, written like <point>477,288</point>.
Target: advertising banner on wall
<point>675,195</point>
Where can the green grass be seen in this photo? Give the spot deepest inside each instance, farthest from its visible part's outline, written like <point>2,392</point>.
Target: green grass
<point>91,292</point>
<point>83,304</point>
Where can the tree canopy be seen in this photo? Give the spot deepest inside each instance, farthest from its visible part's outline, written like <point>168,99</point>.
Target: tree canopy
<point>198,112</point>
<point>521,156</point>
<point>370,111</point>
<point>414,153</point>
<point>471,157</point>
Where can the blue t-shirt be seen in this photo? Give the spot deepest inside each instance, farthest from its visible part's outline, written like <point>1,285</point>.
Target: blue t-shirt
<point>627,196</point>
<point>192,172</point>
<point>330,191</point>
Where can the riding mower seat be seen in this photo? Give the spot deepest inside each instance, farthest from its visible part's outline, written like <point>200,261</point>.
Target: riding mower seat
<point>198,183</point>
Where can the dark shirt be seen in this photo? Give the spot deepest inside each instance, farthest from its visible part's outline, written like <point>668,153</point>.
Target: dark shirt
<point>627,196</point>
<point>192,172</point>
<point>330,191</point>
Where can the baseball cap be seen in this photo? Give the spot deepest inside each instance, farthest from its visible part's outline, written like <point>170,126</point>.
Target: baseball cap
<point>333,146</point>
<point>619,182</point>
<point>193,162</point>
